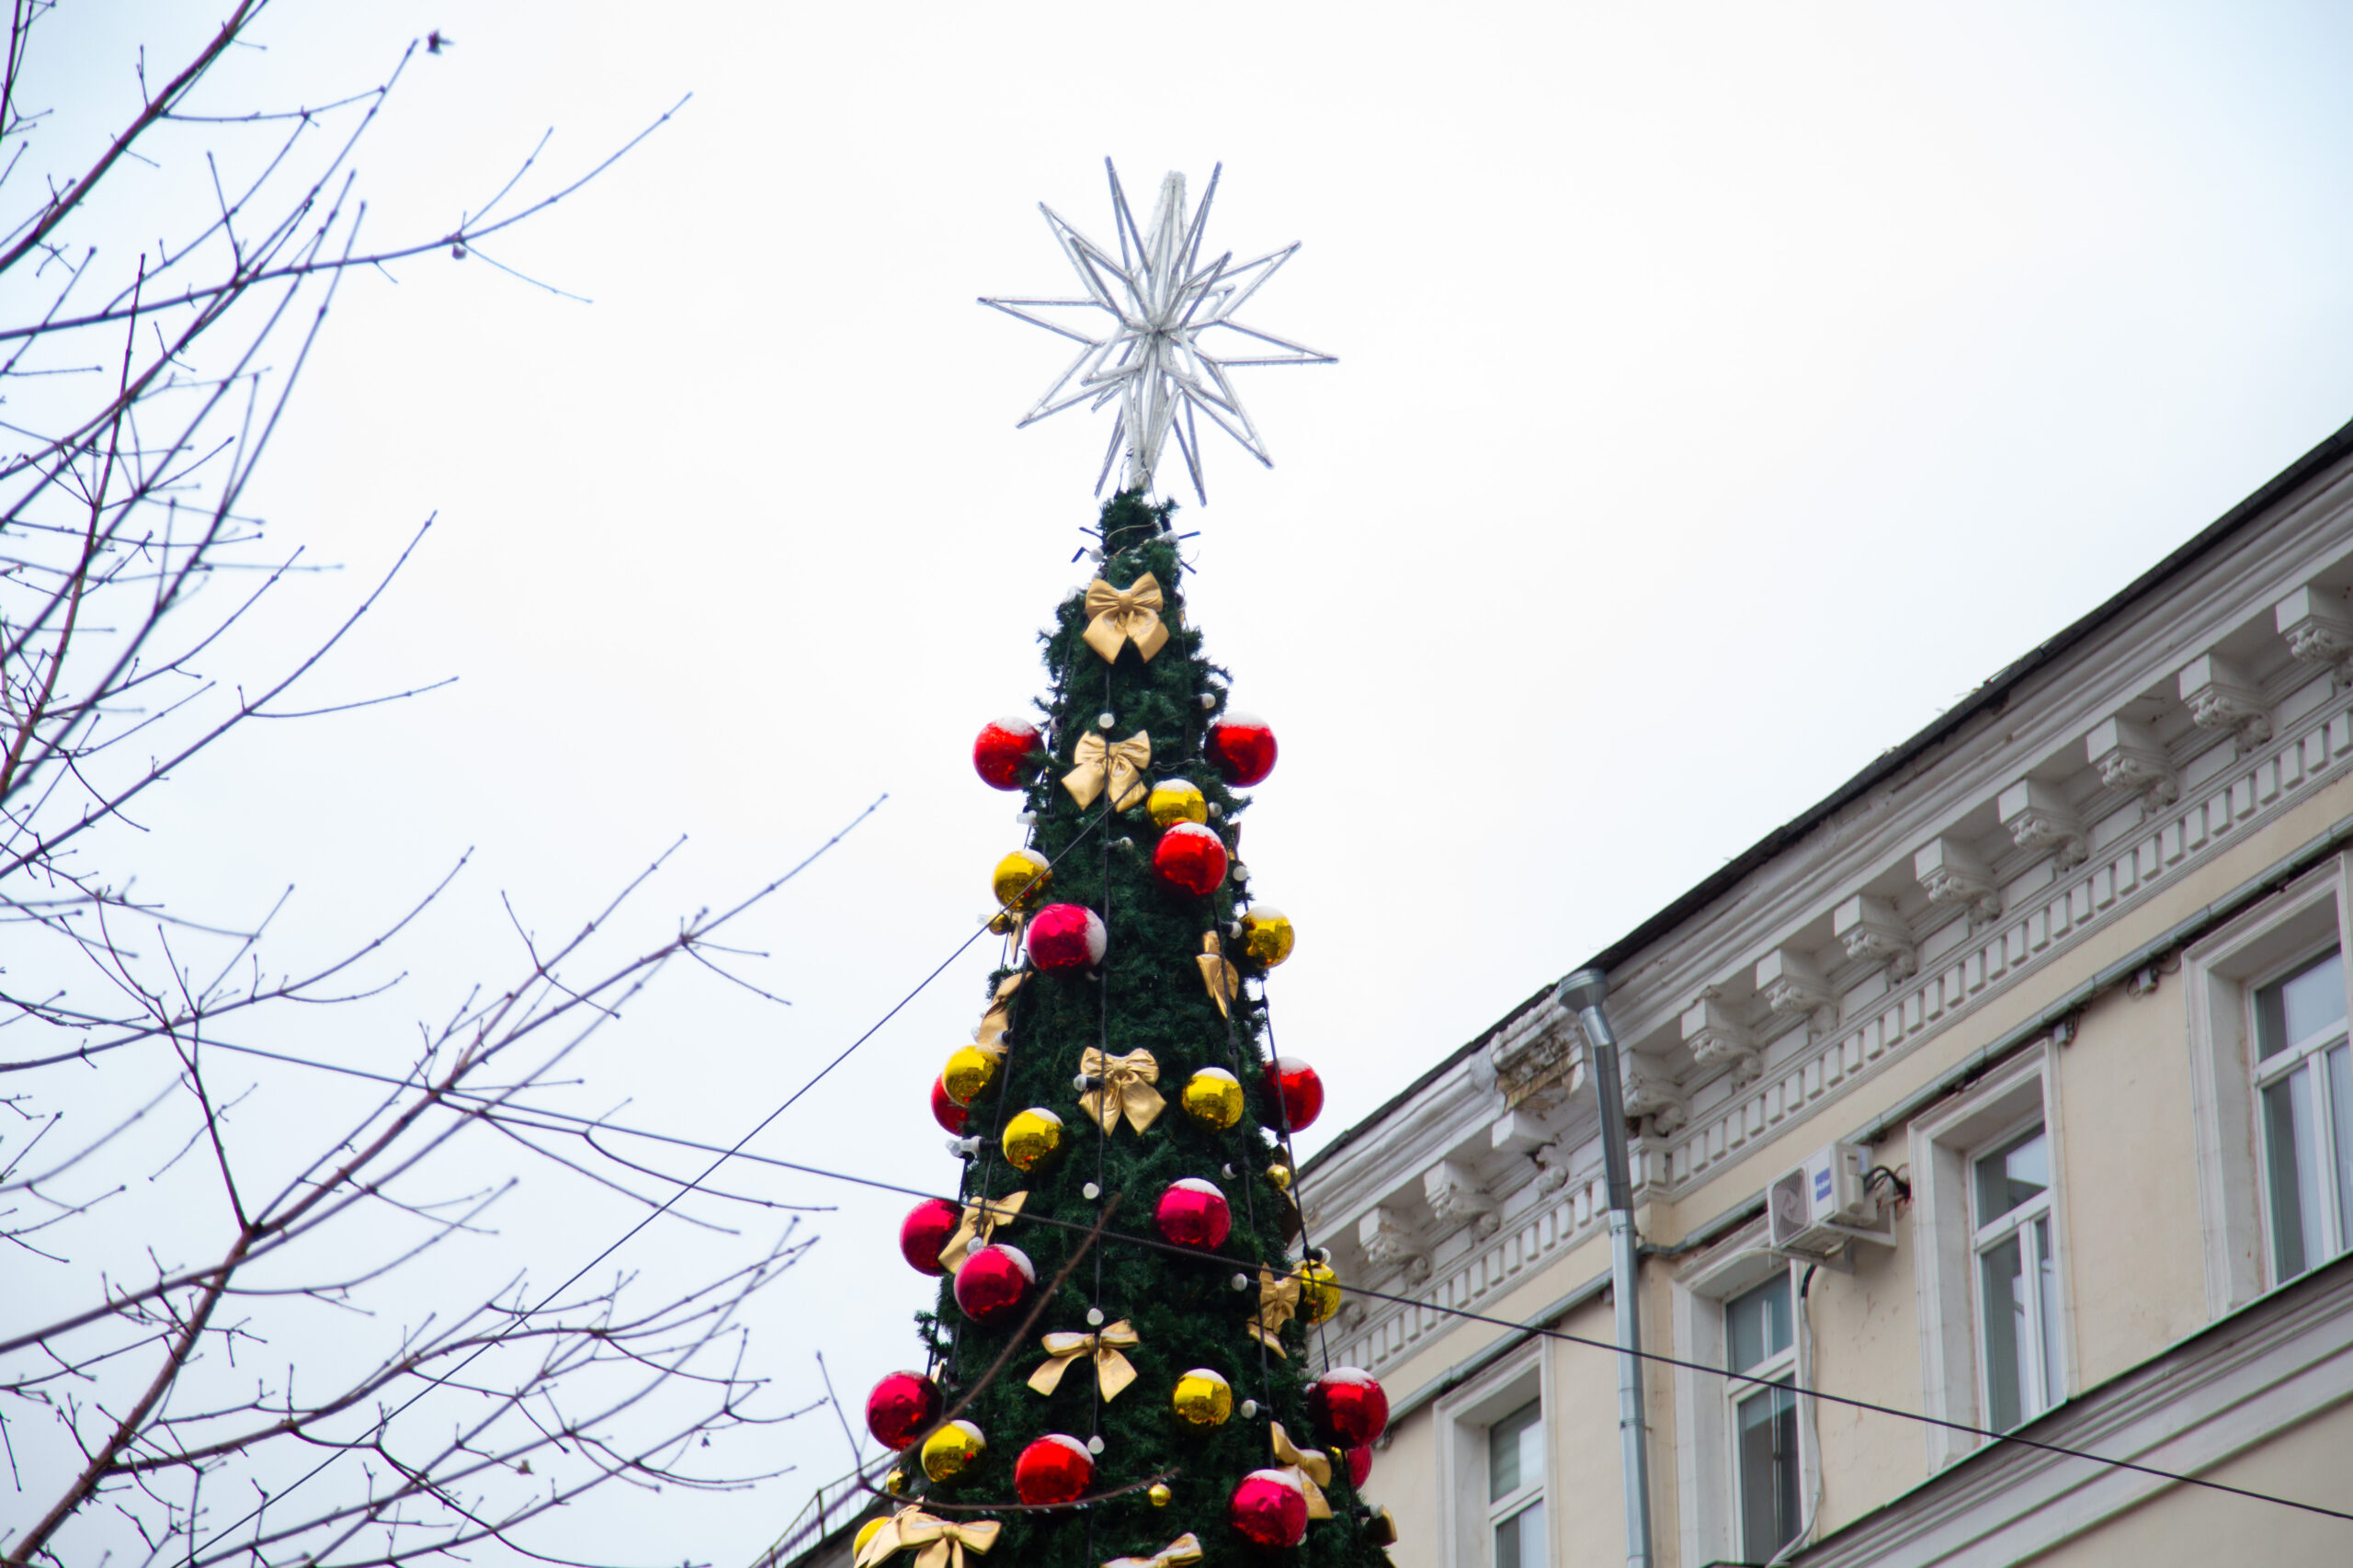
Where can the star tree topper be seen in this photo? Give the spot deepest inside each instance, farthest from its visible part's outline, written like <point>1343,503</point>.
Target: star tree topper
<point>1148,359</point>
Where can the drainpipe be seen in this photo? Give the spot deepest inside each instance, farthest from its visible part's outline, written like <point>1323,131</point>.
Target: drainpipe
<point>1583,994</point>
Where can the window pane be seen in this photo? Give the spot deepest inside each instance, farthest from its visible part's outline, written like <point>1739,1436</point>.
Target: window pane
<point>2291,1153</point>
<point>2306,1003</point>
<point>2011,1174</point>
<point>1767,1446</point>
<point>1514,1453</point>
<point>2340,1106</point>
<point>1519,1540</point>
<point>2055,1379</point>
<point>2006,1335</point>
<point>1756,1323</point>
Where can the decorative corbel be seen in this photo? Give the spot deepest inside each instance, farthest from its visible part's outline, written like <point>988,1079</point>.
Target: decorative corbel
<point>1455,1194</point>
<point>1647,1090</point>
<point>2038,817</point>
<point>1792,984</point>
<point>1387,1241</point>
<point>1717,1038</point>
<point>2318,629</point>
<point>2219,697</point>
<point>2129,756</point>
<point>1950,872</point>
<point>1872,932</point>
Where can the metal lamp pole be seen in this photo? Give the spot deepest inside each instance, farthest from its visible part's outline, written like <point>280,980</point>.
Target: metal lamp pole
<point>1583,994</point>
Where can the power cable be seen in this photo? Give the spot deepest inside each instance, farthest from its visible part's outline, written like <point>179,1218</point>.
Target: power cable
<point>586,1127</point>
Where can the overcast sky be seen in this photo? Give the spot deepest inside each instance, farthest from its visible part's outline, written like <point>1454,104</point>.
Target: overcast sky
<point>1723,391</point>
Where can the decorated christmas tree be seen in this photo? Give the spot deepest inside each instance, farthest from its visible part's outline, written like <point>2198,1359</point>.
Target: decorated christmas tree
<point>1119,1366</point>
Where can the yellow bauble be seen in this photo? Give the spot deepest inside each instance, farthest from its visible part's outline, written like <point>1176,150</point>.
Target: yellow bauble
<point>1213,1098</point>
<point>1159,1494</point>
<point>1020,878</point>
<point>1032,1137</point>
<point>1202,1398</point>
<point>865,1533</point>
<point>968,1072</point>
<point>1267,936</point>
<point>895,1482</point>
<point>1175,799</point>
<point>952,1449</point>
<point>1278,1174</point>
<point>1319,1292</point>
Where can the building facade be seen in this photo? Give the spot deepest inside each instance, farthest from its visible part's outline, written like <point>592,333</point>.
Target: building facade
<point>2067,965</point>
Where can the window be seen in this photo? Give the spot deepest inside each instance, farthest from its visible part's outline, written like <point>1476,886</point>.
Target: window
<point>1758,1341</point>
<point>1516,1487</point>
<point>2268,1092</point>
<point>2018,1279</point>
<point>1495,1465</point>
<point>1988,1251</point>
<point>2303,1085</point>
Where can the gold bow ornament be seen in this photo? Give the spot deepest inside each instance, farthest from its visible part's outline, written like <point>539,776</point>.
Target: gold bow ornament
<point>1117,616</point>
<point>1277,1302</point>
<point>981,1217</point>
<point>1178,1553</point>
<point>1310,1467</point>
<point>943,1542</point>
<point>990,1035</point>
<point>1113,1371</point>
<point>1124,1088</point>
<point>1218,975</point>
<point>1123,763</point>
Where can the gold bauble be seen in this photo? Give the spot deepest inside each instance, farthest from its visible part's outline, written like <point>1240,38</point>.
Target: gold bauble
<point>1032,1137</point>
<point>952,1449</point>
<point>968,1072</point>
<point>1213,1097</point>
<point>1267,936</point>
<point>1020,878</point>
<point>1319,1292</point>
<point>1159,1494</point>
<point>1202,1398</point>
<point>1175,799</point>
<point>895,1482</point>
<point>865,1533</point>
<point>1278,1174</point>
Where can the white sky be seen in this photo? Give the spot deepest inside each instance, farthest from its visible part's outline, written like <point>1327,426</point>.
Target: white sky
<point>1723,391</point>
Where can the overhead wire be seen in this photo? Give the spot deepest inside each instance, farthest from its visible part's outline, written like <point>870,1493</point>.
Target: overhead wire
<point>586,1127</point>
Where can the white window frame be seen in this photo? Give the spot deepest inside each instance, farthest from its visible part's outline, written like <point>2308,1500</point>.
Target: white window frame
<point>1707,1468</point>
<point>1985,1235</point>
<point>1533,1492</point>
<point>1782,1363</point>
<point>1466,1518</point>
<point>1944,1148</point>
<point>2222,974</point>
<point>2264,1071</point>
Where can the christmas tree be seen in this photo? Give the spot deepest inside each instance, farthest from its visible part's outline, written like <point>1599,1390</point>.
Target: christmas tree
<point>1163,1387</point>
<point>1119,1366</point>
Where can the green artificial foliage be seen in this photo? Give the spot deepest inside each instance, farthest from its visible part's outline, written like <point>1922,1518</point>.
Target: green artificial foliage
<point>1149,994</point>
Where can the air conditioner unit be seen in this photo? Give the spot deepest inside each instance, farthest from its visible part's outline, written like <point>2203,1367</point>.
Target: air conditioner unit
<point>1827,1202</point>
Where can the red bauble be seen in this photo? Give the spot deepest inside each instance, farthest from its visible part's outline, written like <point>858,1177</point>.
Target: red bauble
<point>1348,1406</point>
<point>1055,1469</point>
<point>1001,756</point>
<point>1242,748</point>
<point>1190,858</point>
<point>1359,1462</point>
<point>1270,1509</point>
<point>1066,937</point>
<point>901,1406</point>
<point>924,1231</point>
<point>1193,1213</point>
<point>993,1283</point>
<point>1302,1090</point>
<point>945,1111</point>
